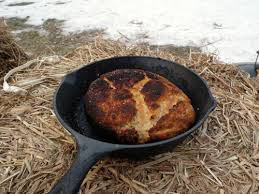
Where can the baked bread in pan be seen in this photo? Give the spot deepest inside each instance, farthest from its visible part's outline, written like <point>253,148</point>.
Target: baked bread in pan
<point>138,106</point>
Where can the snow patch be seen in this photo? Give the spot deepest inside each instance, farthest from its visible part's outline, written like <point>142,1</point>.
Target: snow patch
<point>229,28</point>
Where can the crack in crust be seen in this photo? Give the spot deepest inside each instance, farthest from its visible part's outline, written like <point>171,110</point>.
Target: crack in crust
<point>142,115</point>
<point>139,106</point>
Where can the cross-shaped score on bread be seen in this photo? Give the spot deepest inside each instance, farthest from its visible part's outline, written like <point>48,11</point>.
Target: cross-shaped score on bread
<point>138,106</point>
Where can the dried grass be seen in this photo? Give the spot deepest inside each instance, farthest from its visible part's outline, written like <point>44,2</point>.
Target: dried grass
<point>223,157</point>
<point>11,54</point>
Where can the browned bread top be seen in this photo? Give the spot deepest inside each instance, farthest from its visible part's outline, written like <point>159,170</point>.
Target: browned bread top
<point>138,106</point>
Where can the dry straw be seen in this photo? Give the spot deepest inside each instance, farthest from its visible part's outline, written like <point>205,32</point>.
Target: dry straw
<point>11,54</point>
<point>222,157</point>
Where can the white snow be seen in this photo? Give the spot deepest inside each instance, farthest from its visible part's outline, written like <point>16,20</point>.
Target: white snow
<point>232,26</point>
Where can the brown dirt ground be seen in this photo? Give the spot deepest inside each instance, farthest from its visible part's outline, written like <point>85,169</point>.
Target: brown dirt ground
<point>48,38</point>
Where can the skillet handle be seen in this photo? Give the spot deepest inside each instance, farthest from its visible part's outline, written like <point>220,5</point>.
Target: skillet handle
<point>87,156</point>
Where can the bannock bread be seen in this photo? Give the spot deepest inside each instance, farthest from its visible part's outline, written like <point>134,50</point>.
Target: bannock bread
<point>138,106</point>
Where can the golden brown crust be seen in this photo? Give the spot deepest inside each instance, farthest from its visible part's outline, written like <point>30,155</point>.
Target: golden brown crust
<point>127,135</point>
<point>138,106</point>
<point>180,117</point>
<point>152,91</point>
<point>124,78</point>
<point>107,106</point>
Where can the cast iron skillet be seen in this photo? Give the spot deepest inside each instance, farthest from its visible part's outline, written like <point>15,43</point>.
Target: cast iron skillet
<point>69,109</point>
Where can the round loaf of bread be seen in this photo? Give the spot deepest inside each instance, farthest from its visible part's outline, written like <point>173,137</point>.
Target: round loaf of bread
<point>138,106</point>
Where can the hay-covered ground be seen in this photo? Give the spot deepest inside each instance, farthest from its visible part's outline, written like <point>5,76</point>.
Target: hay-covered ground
<point>222,157</point>
<point>11,54</point>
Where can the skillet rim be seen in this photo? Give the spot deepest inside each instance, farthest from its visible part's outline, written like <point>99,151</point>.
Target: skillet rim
<point>76,134</point>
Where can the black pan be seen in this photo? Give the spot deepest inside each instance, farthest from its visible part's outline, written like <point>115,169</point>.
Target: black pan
<point>69,109</point>
<point>249,67</point>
